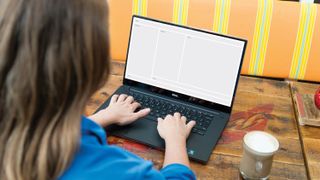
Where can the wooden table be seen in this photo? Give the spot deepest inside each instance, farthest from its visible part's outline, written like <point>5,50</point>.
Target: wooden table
<point>310,136</point>
<point>260,104</point>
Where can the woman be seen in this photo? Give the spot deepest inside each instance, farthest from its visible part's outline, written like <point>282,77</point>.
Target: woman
<point>53,56</point>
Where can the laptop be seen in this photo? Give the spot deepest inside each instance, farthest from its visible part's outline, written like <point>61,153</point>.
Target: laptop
<point>173,68</point>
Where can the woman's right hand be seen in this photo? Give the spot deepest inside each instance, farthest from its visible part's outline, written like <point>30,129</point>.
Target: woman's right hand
<point>174,128</point>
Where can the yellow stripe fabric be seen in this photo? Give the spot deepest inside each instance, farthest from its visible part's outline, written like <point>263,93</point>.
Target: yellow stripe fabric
<point>260,37</point>
<point>221,16</point>
<point>180,11</point>
<point>139,7</point>
<point>308,13</point>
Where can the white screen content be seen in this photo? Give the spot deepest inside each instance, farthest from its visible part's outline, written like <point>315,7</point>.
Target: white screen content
<point>186,61</point>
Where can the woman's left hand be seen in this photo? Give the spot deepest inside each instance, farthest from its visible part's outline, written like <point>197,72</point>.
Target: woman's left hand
<point>121,111</point>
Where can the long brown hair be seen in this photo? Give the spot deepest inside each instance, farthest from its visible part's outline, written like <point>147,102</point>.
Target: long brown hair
<point>53,56</point>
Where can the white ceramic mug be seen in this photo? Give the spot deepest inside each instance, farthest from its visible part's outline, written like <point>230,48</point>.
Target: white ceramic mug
<point>258,150</point>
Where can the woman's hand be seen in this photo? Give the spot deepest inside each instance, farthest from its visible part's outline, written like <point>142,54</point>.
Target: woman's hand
<point>120,111</point>
<point>175,131</point>
<point>174,128</point>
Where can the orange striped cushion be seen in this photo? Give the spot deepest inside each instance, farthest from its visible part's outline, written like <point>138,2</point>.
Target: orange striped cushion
<point>283,37</point>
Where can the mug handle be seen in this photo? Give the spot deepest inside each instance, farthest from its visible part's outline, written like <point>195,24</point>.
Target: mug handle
<point>259,166</point>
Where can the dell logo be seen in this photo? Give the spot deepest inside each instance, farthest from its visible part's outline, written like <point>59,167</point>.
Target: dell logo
<point>174,95</point>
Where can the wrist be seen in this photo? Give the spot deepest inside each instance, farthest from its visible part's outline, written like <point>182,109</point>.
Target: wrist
<point>103,119</point>
<point>176,152</point>
<point>175,142</point>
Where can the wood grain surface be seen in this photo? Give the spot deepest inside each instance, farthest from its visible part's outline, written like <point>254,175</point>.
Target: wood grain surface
<point>310,136</point>
<point>260,104</point>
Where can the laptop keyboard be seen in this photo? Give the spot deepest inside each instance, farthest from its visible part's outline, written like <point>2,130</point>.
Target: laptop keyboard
<point>161,107</point>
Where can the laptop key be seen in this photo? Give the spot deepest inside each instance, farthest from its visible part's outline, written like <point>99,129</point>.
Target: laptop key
<point>194,130</point>
<point>209,118</point>
<point>200,133</point>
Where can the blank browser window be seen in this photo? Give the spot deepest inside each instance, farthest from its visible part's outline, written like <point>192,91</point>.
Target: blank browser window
<point>187,61</point>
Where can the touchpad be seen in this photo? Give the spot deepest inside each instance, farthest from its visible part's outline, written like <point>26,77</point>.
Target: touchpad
<point>142,130</point>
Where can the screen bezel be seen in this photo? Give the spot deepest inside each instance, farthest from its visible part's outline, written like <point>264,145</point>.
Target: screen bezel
<point>177,95</point>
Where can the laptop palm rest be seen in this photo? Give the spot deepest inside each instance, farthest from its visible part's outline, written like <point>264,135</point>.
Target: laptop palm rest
<point>142,130</point>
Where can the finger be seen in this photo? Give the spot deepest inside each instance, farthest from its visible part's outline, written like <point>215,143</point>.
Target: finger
<point>168,116</point>
<point>114,98</point>
<point>129,99</point>
<point>177,115</point>
<point>183,119</point>
<point>122,97</point>
<point>160,120</point>
<point>190,125</point>
<point>142,113</point>
<point>135,105</point>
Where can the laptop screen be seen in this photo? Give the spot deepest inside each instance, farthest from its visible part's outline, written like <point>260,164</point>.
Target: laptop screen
<point>184,60</point>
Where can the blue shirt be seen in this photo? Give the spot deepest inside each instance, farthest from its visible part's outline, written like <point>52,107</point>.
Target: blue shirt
<point>95,159</point>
